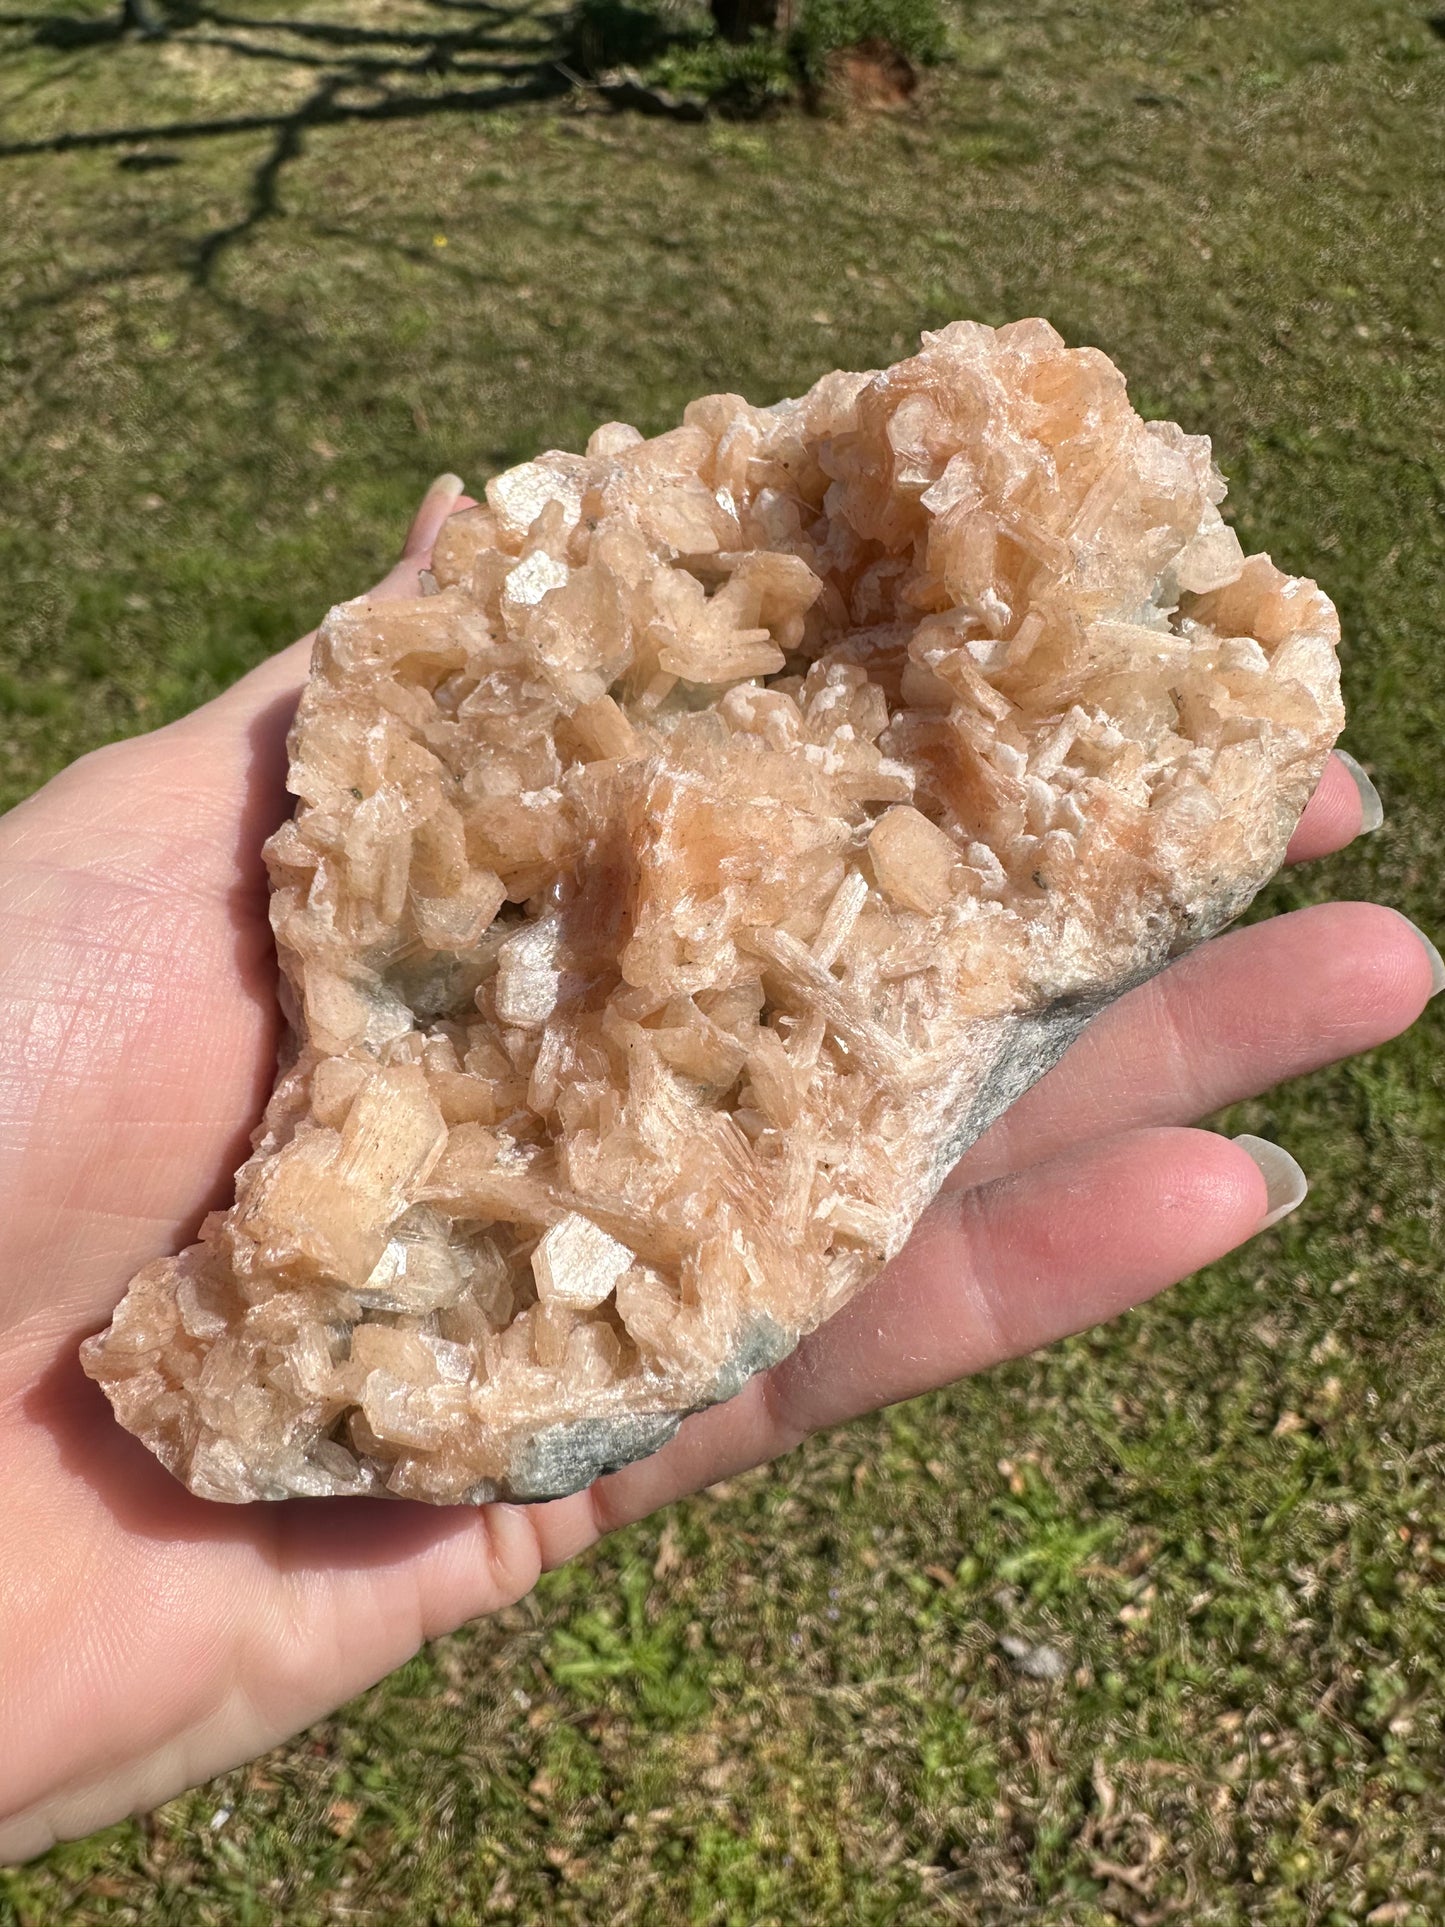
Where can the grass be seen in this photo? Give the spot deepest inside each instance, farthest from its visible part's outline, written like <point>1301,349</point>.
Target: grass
<point>792,1701</point>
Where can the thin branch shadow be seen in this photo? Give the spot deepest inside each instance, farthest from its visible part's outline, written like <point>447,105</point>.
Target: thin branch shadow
<point>535,84</point>
<point>321,108</point>
<point>335,33</point>
<point>437,58</point>
<point>264,198</point>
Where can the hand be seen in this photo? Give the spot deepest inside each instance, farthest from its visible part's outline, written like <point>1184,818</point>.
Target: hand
<point>149,1639</point>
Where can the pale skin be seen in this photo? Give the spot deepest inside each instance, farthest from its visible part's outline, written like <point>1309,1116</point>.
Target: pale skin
<point>149,1639</point>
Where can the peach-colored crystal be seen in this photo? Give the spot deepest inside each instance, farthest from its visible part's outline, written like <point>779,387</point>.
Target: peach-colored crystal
<point>747,816</point>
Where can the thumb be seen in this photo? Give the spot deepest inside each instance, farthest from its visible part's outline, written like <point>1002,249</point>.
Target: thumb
<point>442,499</point>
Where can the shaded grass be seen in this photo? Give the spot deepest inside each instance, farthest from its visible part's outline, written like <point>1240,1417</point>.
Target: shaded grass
<point>790,1701</point>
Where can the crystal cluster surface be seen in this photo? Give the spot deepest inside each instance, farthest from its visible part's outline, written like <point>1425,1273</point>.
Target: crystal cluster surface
<point>745,817</point>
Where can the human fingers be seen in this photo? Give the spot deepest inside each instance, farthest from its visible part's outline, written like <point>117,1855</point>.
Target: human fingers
<point>1074,1234</point>
<point>1237,1016</point>
<point>1345,805</point>
<point>987,1275</point>
<point>446,495</point>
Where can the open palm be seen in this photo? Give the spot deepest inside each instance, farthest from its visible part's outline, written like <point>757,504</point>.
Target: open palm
<point>149,1639</point>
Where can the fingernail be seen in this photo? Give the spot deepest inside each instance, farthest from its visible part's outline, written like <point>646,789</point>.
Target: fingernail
<point>1372,810</point>
<point>1285,1182</point>
<point>451,486</point>
<point>1437,962</point>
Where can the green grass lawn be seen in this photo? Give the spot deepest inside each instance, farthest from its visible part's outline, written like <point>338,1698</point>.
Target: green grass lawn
<point>230,361</point>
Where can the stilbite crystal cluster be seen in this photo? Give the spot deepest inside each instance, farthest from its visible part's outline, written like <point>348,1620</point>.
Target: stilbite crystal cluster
<point>748,816</point>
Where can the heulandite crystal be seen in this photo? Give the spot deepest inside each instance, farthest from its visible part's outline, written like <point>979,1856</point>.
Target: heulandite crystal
<point>747,818</point>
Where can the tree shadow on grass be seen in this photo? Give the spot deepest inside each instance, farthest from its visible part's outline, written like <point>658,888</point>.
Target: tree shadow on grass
<point>364,74</point>
<point>468,58</point>
<point>515,54</point>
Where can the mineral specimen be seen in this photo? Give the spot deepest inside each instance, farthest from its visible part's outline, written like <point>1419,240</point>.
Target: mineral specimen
<point>743,820</point>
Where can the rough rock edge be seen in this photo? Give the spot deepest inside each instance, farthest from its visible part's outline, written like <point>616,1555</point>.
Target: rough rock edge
<point>568,1458</point>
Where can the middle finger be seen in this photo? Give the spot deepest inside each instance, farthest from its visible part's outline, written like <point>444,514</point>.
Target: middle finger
<point>1235,1017</point>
